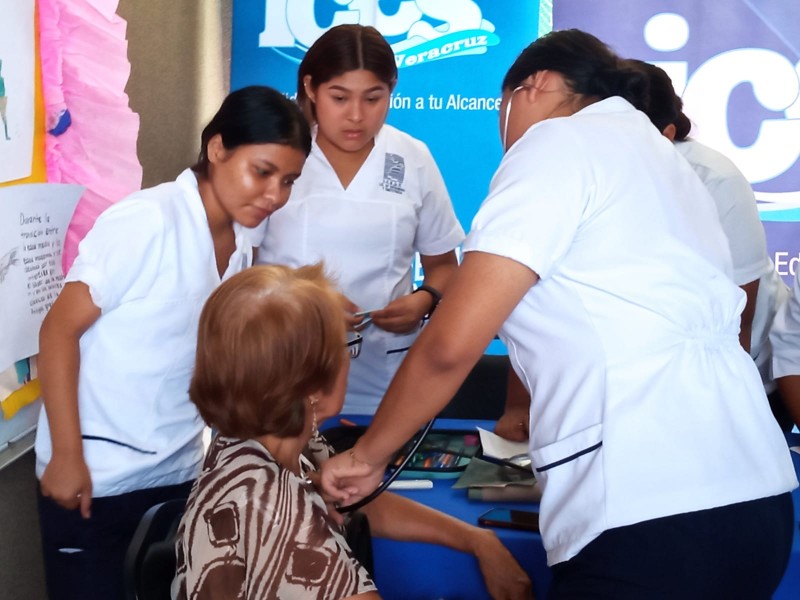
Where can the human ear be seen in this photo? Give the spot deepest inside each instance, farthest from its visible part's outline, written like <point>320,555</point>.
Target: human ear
<point>547,81</point>
<point>215,150</point>
<point>669,132</point>
<point>310,93</point>
<point>535,79</point>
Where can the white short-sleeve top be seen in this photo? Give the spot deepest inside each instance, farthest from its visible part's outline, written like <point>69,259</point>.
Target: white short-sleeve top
<point>367,235</point>
<point>785,335</point>
<point>643,402</point>
<point>149,264</point>
<point>738,214</point>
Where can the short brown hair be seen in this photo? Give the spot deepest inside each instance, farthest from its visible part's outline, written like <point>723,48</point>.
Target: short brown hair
<point>268,338</point>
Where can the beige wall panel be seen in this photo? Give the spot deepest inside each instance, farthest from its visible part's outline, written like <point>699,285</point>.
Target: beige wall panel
<point>179,52</point>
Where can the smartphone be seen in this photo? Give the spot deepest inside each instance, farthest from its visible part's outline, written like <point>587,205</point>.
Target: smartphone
<point>510,519</point>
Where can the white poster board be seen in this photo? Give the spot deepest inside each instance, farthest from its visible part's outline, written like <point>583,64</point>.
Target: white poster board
<point>33,223</point>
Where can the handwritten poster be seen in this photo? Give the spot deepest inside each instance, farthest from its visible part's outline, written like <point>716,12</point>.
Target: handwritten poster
<point>33,223</point>
<point>17,87</point>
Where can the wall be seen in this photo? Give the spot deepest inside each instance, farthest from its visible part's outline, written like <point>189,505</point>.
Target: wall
<point>180,55</point>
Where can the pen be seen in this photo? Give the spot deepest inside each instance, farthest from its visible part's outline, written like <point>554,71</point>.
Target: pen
<point>411,484</point>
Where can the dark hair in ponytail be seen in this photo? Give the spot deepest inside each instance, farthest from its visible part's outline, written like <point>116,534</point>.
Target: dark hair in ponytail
<point>664,106</point>
<point>588,66</point>
<point>255,115</point>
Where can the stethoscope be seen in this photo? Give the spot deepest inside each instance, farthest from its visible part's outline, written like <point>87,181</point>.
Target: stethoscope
<point>393,475</point>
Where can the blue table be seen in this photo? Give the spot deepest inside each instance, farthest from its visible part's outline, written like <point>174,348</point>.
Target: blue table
<point>411,571</point>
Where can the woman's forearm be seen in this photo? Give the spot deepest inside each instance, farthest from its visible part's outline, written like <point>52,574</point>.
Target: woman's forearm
<point>438,269</point>
<point>402,519</point>
<point>398,518</point>
<point>789,387</point>
<point>59,365</point>
<point>483,292</point>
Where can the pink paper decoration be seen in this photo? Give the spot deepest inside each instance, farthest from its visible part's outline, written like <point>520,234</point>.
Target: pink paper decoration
<point>84,71</point>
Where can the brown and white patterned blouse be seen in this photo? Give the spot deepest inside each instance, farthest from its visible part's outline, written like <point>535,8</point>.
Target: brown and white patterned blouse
<point>254,530</point>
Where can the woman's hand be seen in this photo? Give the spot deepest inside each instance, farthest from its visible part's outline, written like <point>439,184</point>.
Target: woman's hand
<point>346,479</point>
<point>403,314</point>
<point>350,308</point>
<point>504,578</point>
<point>513,425</point>
<point>330,503</point>
<point>67,481</point>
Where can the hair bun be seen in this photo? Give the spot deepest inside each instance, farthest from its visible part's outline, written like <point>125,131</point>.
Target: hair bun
<point>623,81</point>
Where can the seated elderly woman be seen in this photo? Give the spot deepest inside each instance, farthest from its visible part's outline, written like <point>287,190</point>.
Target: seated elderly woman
<point>272,362</point>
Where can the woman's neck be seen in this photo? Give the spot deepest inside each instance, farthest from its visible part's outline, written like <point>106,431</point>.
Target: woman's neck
<point>345,164</point>
<point>219,224</point>
<point>286,451</point>
<point>218,219</point>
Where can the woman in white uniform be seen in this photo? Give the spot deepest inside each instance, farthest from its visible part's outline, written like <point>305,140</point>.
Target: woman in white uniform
<point>369,198</point>
<point>753,270</point>
<point>118,432</point>
<point>599,257</point>
<point>785,339</point>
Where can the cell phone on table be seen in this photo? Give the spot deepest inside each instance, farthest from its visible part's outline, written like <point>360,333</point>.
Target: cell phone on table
<point>510,518</point>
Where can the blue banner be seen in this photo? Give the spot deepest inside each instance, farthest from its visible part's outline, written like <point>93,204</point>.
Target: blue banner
<point>452,56</point>
<point>735,64</point>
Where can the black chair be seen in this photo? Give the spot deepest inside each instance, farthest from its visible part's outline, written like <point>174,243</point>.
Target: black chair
<point>150,560</point>
<point>483,394</point>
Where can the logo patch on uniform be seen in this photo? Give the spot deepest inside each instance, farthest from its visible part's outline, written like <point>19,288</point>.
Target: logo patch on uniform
<point>394,171</point>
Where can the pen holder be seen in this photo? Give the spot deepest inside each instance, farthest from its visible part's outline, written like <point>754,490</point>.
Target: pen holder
<point>444,453</point>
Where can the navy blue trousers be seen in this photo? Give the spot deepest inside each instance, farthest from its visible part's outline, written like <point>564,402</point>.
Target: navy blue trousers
<point>83,558</point>
<point>736,552</point>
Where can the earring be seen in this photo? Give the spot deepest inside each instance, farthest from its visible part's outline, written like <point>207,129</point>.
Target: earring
<point>314,429</point>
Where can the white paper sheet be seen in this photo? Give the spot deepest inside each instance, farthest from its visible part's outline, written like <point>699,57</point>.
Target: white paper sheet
<point>33,223</point>
<point>495,446</point>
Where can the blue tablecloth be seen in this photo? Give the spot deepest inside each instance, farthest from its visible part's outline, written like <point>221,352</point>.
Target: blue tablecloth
<point>411,571</point>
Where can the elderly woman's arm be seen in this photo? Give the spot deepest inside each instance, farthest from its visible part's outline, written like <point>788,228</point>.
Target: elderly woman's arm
<point>399,518</point>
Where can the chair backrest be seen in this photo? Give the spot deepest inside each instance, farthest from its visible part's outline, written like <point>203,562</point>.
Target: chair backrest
<point>483,393</point>
<point>359,537</point>
<point>150,560</point>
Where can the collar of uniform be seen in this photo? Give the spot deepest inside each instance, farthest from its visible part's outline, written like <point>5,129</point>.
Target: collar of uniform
<point>614,104</point>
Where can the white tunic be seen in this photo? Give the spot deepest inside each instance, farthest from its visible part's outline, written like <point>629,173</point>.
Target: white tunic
<point>367,235</point>
<point>149,264</point>
<point>738,214</point>
<point>643,402</point>
<point>785,335</point>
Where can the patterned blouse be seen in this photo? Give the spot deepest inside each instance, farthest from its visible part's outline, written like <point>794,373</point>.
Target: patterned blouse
<point>254,530</point>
